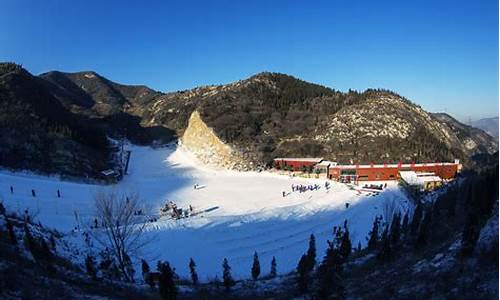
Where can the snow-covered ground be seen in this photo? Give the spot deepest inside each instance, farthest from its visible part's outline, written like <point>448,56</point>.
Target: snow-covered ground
<point>247,211</point>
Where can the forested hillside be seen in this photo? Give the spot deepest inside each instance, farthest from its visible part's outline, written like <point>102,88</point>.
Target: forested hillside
<point>38,133</point>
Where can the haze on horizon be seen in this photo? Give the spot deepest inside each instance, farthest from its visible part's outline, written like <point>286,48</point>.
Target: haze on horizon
<point>442,55</point>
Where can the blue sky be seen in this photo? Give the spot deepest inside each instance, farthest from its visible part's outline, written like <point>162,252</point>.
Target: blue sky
<point>442,55</point>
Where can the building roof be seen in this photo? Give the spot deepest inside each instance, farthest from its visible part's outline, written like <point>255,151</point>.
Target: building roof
<point>413,178</point>
<point>326,163</point>
<point>304,159</point>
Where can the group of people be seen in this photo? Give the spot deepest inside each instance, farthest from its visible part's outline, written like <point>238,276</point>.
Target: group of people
<point>304,188</point>
<point>176,212</point>
<point>375,186</point>
<point>33,192</point>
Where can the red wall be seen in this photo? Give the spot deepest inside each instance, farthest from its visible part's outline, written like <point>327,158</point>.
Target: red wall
<point>392,173</point>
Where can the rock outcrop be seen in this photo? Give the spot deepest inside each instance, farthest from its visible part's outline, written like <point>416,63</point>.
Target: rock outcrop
<point>208,147</point>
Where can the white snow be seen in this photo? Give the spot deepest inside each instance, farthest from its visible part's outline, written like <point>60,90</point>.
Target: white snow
<point>248,212</point>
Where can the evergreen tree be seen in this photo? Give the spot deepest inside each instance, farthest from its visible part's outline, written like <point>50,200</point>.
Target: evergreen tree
<point>53,242</point>
<point>424,229</point>
<point>29,242</point>
<point>274,270</point>
<point>255,266</point>
<point>404,226</point>
<point>470,235</point>
<point>146,273</point>
<point>303,273</point>
<point>373,241</point>
<point>345,246</point>
<point>226,275</point>
<point>385,253</point>
<point>166,283</point>
<point>330,271</point>
<point>12,233</point>
<point>415,221</point>
<point>311,253</point>
<point>90,266</point>
<point>45,253</point>
<point>395,229</point>
<point>144,267</point>
<point>359,247</point>
<point>192,270</point>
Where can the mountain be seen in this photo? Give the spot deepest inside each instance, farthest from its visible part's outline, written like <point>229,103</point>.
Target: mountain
<point>489,125</point>
<point>114,107</point>
<point>245,124</point>
<point>38,133</point>
<point>268,115</point>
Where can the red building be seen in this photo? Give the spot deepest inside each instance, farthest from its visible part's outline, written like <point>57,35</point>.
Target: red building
<point>390,171</point>
<point>298,164</point>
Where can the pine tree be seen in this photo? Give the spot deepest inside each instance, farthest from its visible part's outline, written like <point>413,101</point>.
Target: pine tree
<point>90,266</point>
<point>330,271</point>
<point>404,226</point>
<point>146,274</point>
<point>424,229</point>
<point>345,246</point>
<point>45,253</point>
<point>373,241</point>
<point>29,242</point>
<point>303,273</point>
<point>395,229</point>
<point>385,253</point>
<point>311,253</point>
<point>192,270</point>
<point>144,267</point>
<point>255,266</point>
<point>53,242</point>
<point>12,233</point>
<point>415,221</point>
<point>274,270</point>
<point>226,275</point>
<point>166,283</point>
<point>470,235</point>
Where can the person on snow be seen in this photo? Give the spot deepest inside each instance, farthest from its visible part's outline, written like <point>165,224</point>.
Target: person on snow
<point>33,193</point>
<point>11,190</point>
<point>58,194</point>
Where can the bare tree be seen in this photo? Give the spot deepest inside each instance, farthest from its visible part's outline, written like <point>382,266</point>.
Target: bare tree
<point>120,225</point>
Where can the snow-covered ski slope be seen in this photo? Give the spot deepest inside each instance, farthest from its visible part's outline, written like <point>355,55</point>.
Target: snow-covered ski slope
<point>245,211</point>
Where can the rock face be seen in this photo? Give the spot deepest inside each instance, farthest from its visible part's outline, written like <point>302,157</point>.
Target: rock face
<point>207,146</point>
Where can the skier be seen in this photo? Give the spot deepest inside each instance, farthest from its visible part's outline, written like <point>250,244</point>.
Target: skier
<point>283,194</point>
<point>33,193</point>
<point>58,194</point>
<point>11,190</point>
<point>190,208</point>
<point>385,185</point>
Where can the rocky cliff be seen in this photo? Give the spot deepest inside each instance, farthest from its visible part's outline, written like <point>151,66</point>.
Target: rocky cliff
<point>208,148</point>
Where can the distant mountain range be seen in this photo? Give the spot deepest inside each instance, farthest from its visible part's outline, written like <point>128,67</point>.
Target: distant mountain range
<point>241,125</point>
<point>489,125</point>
